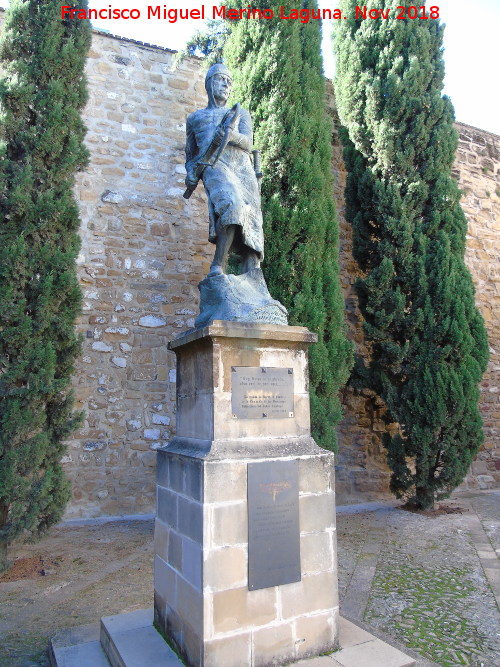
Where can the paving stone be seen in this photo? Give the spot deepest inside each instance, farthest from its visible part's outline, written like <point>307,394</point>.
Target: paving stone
<point>89,653</point>
<point>374,653</point>
<point>132,641</point>
<point>431,590</point>
<point>351,634</point>
<point>77,646</point>
<point>142,618</point>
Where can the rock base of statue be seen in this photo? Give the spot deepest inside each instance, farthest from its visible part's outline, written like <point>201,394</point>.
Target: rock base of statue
<point>243,298</point>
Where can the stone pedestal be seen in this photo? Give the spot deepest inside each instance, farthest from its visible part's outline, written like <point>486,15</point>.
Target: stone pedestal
<point>203,605</point>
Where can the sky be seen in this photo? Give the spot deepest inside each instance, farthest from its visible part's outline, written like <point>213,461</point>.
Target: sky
<point>471,42</point>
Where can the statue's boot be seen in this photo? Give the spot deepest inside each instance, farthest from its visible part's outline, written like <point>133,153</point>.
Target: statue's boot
<point>250,262</point>
<point>225,237</point>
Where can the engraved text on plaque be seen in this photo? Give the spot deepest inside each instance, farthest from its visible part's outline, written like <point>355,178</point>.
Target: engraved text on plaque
<point>261,392</point>
<point>273,524</point>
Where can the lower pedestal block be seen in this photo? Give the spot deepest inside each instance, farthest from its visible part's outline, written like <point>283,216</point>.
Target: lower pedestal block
<point>202,602</point>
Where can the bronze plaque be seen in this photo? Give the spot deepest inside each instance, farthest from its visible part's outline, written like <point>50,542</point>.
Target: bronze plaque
<point>259,392</point>
<point>273,524</point>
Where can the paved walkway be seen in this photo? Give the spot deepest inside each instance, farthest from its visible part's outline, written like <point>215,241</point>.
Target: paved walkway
<point>430,585</point>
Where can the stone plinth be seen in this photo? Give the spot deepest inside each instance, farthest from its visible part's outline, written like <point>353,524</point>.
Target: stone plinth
<point>202,602</point>
<point>205,358</point>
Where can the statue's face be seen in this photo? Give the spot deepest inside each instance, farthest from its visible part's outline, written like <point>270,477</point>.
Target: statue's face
<point>221,88</point>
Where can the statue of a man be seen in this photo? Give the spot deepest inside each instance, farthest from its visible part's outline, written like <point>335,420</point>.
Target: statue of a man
<point>218,151</point>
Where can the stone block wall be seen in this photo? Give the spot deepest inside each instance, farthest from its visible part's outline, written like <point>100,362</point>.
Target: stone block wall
<point>144,250</point>
<point>477,168</point>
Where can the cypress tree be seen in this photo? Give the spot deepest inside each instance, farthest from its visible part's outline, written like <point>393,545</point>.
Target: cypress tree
<point>277,67</point>
<point>41,133</point>
<point>428,341</point>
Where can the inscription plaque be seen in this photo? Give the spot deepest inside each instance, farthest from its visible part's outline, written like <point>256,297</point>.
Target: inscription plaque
<point>261,392</point>
<point>273,524</point>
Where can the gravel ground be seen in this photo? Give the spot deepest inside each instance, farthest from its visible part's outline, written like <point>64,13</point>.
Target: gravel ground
<point>414,578</point>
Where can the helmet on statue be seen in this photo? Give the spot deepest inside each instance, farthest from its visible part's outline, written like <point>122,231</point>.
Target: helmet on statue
<point>218,68</point>
<point>212,84</point>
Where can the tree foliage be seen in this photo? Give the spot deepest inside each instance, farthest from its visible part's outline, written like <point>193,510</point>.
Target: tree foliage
<point>278,73</point>
<point>42,92</point>
<point>428,341</point>
<point>207,42</point>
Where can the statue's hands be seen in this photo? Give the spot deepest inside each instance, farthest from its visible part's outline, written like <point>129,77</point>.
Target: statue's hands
<point>240,140</point>
<point>233,136</point>
<point>219,136</point>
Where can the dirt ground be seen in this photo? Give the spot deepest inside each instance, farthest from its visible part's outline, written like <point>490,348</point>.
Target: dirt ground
<point>77,575</point>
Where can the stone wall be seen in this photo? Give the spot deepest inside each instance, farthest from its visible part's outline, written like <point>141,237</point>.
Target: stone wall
<point>144,250</point>
<point>477,168</point>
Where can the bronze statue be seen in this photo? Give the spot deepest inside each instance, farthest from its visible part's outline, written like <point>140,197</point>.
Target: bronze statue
<point>219,152</point>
